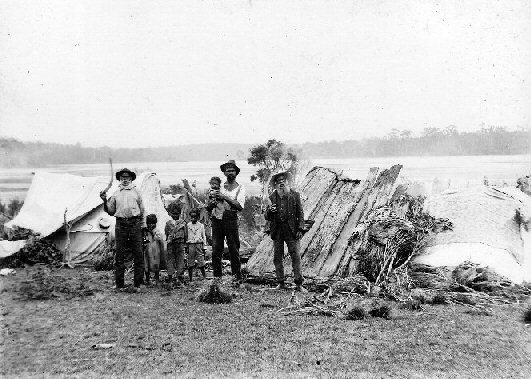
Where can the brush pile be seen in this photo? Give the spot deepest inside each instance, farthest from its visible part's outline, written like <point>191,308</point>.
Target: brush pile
<point>214,295</point>
<point>35,251</point>
<point>351,306</point>
<point>392,235</point>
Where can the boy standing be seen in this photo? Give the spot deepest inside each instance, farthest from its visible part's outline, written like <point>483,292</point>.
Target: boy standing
<point>196,242</point>
<point>153,249</point>
<point>126,205</point>
<point>175,230</point>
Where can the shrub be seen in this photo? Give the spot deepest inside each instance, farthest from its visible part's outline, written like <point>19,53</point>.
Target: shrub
<point>527,315</point>
<point>440,298</point>
<point>356,313</point>
<point>383,311</point>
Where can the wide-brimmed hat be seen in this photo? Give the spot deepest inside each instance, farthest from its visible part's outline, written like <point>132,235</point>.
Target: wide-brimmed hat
<point>230,163</point>
<point>125,171</point>
<point>277,174</point>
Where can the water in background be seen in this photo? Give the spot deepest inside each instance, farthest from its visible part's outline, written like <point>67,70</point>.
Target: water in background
<point>440,171</point>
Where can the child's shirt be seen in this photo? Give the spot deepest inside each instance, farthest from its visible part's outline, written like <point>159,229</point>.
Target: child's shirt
<point>175,231</point>
<point>196,233</point>
<point>153,249</point>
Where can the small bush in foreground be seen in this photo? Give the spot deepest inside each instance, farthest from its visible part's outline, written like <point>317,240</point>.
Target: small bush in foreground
<point>413,305</point>
<point>440,298</point>
<point>214,295</point>
<point>356,313</point>
<point>527,315</point>
<point>383,311</point>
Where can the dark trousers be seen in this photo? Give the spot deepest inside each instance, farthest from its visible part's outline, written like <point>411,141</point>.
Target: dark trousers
<point>284,234</point>
<point>175,258</point>
<point>221,229</point>
<point>128,235</point>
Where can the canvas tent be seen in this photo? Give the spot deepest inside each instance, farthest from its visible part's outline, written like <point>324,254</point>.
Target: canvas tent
<point>51,194</point>
<point>490,228</point>
<point>487,228</point>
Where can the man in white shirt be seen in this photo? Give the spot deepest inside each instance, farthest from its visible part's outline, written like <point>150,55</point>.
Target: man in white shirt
<point>127,206</point>
<point>227,227</point>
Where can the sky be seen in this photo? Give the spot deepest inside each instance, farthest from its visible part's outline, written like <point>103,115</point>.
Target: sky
<point>158,73</point>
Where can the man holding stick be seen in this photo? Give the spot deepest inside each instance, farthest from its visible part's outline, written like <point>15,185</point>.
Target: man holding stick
<point>227,227</point>
<point>126,205</point>
<point>287,225</point>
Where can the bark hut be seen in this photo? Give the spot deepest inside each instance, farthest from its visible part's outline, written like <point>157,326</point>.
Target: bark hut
<point>337,205</point>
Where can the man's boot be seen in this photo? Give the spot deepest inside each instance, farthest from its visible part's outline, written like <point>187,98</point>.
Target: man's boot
<point>191,273</point>
<point>281,286</point>
<point>203,272</point>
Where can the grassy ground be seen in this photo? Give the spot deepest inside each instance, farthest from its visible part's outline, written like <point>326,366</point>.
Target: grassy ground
<point>169,333</point>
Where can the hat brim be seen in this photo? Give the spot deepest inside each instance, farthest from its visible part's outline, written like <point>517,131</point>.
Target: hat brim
<point>274,177</point>
<point>131,173</point>
<point>229,164</point>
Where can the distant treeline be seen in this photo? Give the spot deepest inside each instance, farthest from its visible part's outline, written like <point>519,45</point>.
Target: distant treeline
<point>431,141</point>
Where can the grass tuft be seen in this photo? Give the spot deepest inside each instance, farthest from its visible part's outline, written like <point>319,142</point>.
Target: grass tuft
<point>413,305</point>
<point>527,315</point>
<point>214,295</point>
<point>356,313</point>
<point>383,311</point>
<point>440,298</point>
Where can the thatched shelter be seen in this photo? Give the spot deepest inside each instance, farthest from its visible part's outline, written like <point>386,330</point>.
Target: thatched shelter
<point>337,205</point>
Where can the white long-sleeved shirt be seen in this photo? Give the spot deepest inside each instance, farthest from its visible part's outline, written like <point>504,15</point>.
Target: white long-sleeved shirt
<point>196,233</point>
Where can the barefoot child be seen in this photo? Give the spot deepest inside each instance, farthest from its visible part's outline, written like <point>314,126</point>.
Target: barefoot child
<point>153,248</point>
<point>196,242</point>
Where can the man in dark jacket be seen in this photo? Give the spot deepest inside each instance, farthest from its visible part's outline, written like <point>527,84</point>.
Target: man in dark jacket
<point>287,223</point>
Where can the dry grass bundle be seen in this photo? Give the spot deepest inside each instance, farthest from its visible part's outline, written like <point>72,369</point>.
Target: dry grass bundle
<point>214,295</point>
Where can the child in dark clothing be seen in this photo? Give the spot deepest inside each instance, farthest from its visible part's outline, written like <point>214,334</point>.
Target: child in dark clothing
<point>176,241</point>
<point>153,248</point>
<point>215,205</point>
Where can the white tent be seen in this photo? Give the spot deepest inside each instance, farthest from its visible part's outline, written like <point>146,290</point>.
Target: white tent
<point>490,228</point>
<point>51,194</point>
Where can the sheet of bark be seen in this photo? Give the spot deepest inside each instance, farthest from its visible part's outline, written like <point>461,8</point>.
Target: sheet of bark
<point>337,205</point>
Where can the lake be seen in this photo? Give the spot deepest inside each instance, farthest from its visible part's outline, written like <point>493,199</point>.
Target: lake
<point>442,171</point>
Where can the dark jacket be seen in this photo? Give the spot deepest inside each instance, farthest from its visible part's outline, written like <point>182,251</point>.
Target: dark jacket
<point>295,213</point>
